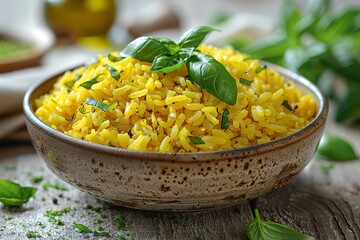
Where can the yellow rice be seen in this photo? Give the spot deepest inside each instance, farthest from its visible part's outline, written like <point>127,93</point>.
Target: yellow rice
<point>157,112</point>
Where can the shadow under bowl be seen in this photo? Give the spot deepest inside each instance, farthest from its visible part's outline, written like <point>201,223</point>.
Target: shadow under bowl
<point>176,182</point>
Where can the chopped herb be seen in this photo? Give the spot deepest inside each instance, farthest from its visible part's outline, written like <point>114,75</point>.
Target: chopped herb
<point>40,224</point>
<point>90,207</point>
<point>70,118</point>
<point>13,194</point>
<point>82,228</point>
<point>287,105</point>
<point>258,229</point>
<point>101,234</point>
<point>8,218</point>
<point>114,58</point>
<point>225,119</point>
<point>98,221</point>
<point>53,213</point>
<point>33,234</point>
<point>101,105</point>
<point>260,69</point>
<point>55,185</point>
<point>37,179</point>
<point>113,72</point>
<point>196,140</point>
<point>82,109</point>
<point>120,222</point>
<point>101,228</point>
<point>103,215</point>
<point>70,84</point>
<point>245,81</point>
<point>88,84</point>
<point>326,168</point>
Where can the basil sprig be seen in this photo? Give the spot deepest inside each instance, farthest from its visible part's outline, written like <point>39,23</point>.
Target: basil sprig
<point>13,194</point>
<point>263,230</point>
<point>166,56</point>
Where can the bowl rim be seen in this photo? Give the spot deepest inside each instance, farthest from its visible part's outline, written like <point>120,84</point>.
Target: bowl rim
<point>317,122</point>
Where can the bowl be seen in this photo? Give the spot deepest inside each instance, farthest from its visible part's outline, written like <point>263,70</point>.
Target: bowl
<point>176,182</point>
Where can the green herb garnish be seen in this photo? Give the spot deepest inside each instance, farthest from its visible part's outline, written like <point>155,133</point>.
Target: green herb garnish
<point>8,218</point>
<point>92,208</point>
<point>287,105</point>
<point>56,185</point>
<point>225,119</point>
<point>88,84</point>
<point>335,148</point>
<point>40,224</point>
<point>196,140</point>
<point>261,230</point>
<point>82,228</point>
<point>204,71</point>
<point>101,234</point>
<point>245,81</point>
<point>113,72</point>
<point>101,105</point>
<point>12,194</point>
<point>37,179</point>
<point>114,58</point>
<point>326,168</point>
<point>120,222</point>
<point>260,69</point>
<point>33,234</point>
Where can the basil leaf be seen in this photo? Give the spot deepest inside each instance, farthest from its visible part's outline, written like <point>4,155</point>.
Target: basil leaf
<point>113,72</point>
<point>260,69</point>
<point>90,82</point>
<point>287,105</point>
<point>144,49</point>
<point>195,36</point>
<point>172,47</point>
<point>82,228</point>
<point>196,140</point>
<point>101,105</point>
<point>12,194</point>
<point>166,63</point>
<point>210,75</point>
<point>261,230</point>
<point>245,81</point>
<point>335,148</point>
<point>225,119</point>
<point>114,58</point>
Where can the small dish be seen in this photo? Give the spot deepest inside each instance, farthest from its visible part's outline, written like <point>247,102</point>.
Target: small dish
<point>176,181</point>
<point>36,41</point>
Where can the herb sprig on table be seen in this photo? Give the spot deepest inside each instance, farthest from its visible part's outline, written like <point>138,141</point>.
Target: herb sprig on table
<point>264,230</point>
<point>13,194</point>
<point>166,56</point>
<point>318,43</point>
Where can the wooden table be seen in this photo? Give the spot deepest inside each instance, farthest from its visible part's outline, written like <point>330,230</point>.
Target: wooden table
<point>320,203</point>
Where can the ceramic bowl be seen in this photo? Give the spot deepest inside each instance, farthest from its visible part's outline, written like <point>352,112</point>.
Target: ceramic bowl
<point>176,181</point>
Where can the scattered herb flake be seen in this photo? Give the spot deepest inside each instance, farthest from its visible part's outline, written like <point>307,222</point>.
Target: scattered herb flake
<point>196,140</point>
<point>8,218</point>
<point>40,224</point>
<point>33,234</point>
<point>114,58</point>
<point>82,228</point>
<point>37,179</point>
<point>225,119</point>
<point>260,69</point>
<point>101,234</point>
<point>88,84</point>
<point>245,81</point>
<point>113,72</point>
<point>120,222</point>
<point>92,208</point>
<point>287,105</point>
<point>13,194</point>
<point>56,185</point>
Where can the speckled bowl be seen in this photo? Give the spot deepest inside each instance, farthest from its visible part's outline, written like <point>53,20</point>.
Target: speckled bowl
<point>176,181</point>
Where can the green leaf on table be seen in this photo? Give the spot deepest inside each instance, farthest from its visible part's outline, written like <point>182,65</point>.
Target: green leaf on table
<point>195,36</point>
<point>144,49</point>
<point>82,228</point>
<point>335,148</point>
<point>210,75</point>
<point>258,229</point>
<point>13,194</point>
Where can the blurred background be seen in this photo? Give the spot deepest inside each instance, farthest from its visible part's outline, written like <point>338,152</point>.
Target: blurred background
<point>319,39</point>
